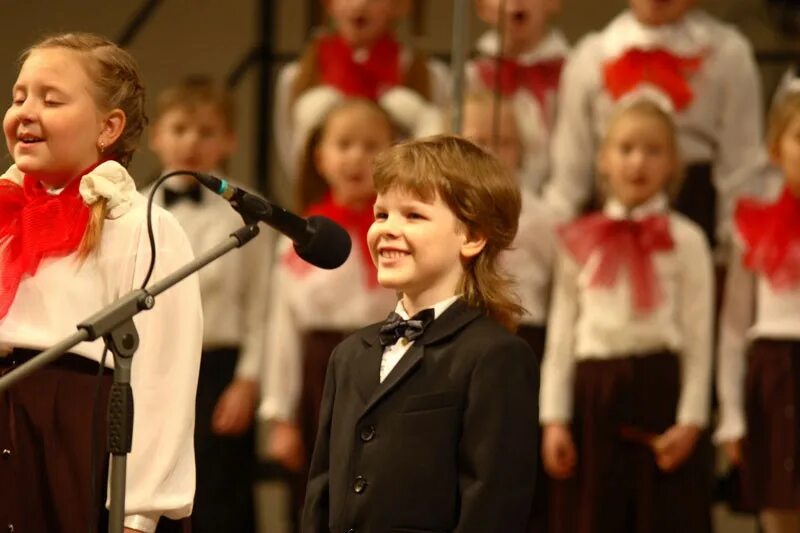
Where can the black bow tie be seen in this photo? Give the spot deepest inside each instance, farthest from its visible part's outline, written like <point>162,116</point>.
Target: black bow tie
<point>192,194</point>
<point>395,328</point>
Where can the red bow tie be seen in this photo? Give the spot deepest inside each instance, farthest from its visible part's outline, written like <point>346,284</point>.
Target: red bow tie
<point>621,244</point>
<point>357,223</point>
<point>668,72</point>
<point>379,71</point>
<point>35,225</point>
<point>771,234</point>
<point>508,76</point>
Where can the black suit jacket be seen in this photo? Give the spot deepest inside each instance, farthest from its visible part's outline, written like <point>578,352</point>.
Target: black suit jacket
<point>448,442</point>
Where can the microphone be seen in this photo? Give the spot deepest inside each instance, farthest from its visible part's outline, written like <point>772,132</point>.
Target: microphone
<point>318,240</point>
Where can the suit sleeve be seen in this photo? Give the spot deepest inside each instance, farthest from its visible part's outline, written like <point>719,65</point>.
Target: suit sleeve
<point>316,507</point>
<point>498,447</point>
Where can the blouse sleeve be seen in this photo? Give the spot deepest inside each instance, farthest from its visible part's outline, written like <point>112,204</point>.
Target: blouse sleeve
<point>558,366</point>
<point>735,319</point>
<point>164,373</point>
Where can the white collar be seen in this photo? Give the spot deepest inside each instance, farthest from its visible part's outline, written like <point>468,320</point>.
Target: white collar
<point>438,308</point>
<point>687,37</point>
<point>108,180</point>
<point>657,205</point>
<point>553,46</point>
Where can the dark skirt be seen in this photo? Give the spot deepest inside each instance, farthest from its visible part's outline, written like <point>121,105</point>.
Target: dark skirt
<point>617,485</point>
<point>225,463</point>
<point>535,337</point>
<point>697,199</point>
<point>46,448</point>
<point>770,472</point>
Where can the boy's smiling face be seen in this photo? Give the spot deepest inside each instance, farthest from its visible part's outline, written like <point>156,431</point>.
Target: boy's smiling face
<point>419,247</point>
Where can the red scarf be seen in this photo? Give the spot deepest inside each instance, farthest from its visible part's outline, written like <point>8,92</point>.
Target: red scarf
<point>379,71</point>
<point>668,72</point>
<point>356,223</point>
<point>36,225</point>
<point>540,79</point>
<point>621,244</point>
<point>771,234</point>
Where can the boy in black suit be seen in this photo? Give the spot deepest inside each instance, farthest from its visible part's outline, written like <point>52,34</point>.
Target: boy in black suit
<point>429,424</point>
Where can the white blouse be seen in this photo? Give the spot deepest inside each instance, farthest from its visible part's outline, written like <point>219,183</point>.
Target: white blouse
<point>590,322</point>
<point>751,309</point>
<point>536,126</point>
<point>47,307</point>
<point>722,125</point>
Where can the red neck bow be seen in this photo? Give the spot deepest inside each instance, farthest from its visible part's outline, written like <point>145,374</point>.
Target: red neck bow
<point>356,222</point>
<point>668,72</point>
<point>35,225</point>
<point>771,234</point>
<point>379,70</point>
<point>509,76</point>
<point>621,244</point>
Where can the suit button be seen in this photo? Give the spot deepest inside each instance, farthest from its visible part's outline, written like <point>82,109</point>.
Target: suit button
<point>367,433</point>
<point>6,453</point>
<point>360,485</point>
<point>11,528</point>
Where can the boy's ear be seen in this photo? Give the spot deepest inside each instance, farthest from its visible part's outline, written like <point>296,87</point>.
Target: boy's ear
<point>112,127</point>
<point>473,245</point>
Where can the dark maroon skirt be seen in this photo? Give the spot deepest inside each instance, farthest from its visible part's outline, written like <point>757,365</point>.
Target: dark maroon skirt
<point>46,448</point>
<point>770,472</point>
<point>617,486</point>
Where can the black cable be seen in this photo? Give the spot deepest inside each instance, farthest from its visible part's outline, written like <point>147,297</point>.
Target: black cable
<point>93,511</point>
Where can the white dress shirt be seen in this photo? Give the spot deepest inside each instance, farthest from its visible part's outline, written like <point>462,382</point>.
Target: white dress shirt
<point>65,290</point>
<point>722,125</point>
<point>531,257</point>
<point>233,288</point>
<point>315,299</point>
<point>751,309</point>
<point>590,322</point>
<point>536,127</point>
<point>394,353</point>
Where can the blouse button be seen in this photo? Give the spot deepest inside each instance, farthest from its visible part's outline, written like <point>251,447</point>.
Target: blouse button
<point>360,485</point>
<point>367,433</point>
<point>6,453</point>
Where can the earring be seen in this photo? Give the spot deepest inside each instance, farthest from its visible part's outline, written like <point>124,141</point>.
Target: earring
<point>102,146</point>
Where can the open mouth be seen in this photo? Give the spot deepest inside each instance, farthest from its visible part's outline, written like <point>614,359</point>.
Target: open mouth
<point>29,139</point>
<point>519,17</point>
<point>360,21</point>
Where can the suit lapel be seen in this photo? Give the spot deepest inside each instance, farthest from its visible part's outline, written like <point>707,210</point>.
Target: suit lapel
<point>452,320</point>
<point>367,364</point>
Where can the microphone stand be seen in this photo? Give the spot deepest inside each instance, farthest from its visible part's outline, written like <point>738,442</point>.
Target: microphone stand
<point>114,323</point>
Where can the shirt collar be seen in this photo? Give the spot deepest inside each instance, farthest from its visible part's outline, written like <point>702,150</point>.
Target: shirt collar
<point>657,205</point>
<point>438,308</point>
<point>687,37</point>
<point>553,46</point>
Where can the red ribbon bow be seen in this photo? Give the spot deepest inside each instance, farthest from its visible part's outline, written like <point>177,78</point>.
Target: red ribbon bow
<point>356,222</point>
<point>668,72</point>
<point>509,76</point>
<point>621,244</point>
<point>379,71</point>
<point>771,234</point>
<point>35,225</point>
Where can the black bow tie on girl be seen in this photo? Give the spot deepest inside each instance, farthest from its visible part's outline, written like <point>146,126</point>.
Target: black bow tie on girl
<point>395,328</point>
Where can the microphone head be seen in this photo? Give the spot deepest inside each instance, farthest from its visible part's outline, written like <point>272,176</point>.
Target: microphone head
<point>329,245</point>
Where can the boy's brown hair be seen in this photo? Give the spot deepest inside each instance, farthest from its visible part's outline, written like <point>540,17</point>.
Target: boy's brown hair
<point>483,196</point>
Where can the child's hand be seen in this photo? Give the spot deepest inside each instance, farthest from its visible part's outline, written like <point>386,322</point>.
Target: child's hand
<point>675,445</point>
<point>285,445</point>
<point>235,408</point>
<point>733,451</point>
<point>558,451</point>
